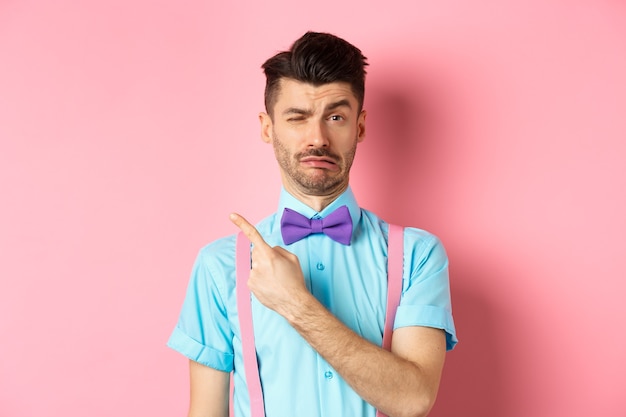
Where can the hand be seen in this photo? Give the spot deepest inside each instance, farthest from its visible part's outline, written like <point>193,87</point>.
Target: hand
<point>276,277</point>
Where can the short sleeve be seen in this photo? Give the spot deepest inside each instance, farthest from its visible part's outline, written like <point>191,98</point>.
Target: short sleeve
<point>203,332</point>
<point>426,288</point>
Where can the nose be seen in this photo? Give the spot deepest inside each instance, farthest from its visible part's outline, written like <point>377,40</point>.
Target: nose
<point>317,136</point>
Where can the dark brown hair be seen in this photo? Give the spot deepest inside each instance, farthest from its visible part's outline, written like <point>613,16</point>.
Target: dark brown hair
<point>316,58</point>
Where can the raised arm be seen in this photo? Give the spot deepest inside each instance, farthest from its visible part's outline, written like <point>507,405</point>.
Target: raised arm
<point>403,382</point>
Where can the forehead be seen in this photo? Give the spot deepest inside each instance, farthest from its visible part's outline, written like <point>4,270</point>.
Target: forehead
<point>294,93</point>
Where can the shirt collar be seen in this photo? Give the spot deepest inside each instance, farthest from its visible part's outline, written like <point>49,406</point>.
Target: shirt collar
<point>345,199</point>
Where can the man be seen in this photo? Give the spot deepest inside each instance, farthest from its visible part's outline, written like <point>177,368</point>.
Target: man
<point>318,304</point>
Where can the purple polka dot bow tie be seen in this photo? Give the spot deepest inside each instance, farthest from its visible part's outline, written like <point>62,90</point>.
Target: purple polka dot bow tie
<point>337,225</point>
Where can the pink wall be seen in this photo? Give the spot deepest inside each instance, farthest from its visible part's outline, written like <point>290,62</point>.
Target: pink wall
<point>128,132</point>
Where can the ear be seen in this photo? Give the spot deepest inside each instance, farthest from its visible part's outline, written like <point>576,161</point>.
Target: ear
<point>361,126</point>
<point>266,127</point>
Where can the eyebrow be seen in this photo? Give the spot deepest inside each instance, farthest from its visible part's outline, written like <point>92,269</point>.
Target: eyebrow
<point>340,103</point>
<point>296,110</point>
<point>308,112</point>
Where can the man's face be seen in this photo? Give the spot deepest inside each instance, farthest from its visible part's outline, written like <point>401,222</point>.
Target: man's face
<point>314,131</point>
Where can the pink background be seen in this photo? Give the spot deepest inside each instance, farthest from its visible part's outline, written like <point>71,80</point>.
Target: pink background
<point>128,132</point>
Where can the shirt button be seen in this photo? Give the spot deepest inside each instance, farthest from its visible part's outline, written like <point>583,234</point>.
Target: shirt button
<point>328,375</point>
<point>320,266</point>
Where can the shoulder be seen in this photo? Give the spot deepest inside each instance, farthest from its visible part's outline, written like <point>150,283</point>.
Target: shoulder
<point>215,264</point>
<point>420,239</point>
<point>414,237</point>
<point>218,251</point>
<point>222,250</point>
<point>419,245</point>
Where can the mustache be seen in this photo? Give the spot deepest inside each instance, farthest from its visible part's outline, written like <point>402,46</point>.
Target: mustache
<point>318,152</point>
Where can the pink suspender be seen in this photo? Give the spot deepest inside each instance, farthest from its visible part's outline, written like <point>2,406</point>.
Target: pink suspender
<point>394,290</point>
<point>244,308</point>
<point>395,259</point>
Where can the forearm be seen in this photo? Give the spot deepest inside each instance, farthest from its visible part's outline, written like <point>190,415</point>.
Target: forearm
<point>393,384</point>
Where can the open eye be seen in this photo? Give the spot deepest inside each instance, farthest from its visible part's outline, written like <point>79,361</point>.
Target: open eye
<point>336,118</point>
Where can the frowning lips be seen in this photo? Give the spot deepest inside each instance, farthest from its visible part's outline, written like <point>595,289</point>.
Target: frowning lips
<point>319,158</point>
<point>324,162</point>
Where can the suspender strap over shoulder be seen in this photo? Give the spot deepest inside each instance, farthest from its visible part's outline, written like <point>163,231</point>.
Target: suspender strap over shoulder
<point>244,308</point>
<point>395,260</point>
<point>395,255</point>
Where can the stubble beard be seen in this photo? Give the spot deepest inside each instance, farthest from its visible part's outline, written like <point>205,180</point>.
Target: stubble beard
<point>320,182</point>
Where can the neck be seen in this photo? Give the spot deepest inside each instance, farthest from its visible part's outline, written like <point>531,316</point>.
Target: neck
<point>316,202</point>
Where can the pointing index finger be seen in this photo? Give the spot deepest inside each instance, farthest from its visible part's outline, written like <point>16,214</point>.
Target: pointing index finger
<point>248,229</point>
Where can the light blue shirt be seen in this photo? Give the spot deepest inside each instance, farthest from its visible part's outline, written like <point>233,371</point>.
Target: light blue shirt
<point>351,281</point>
